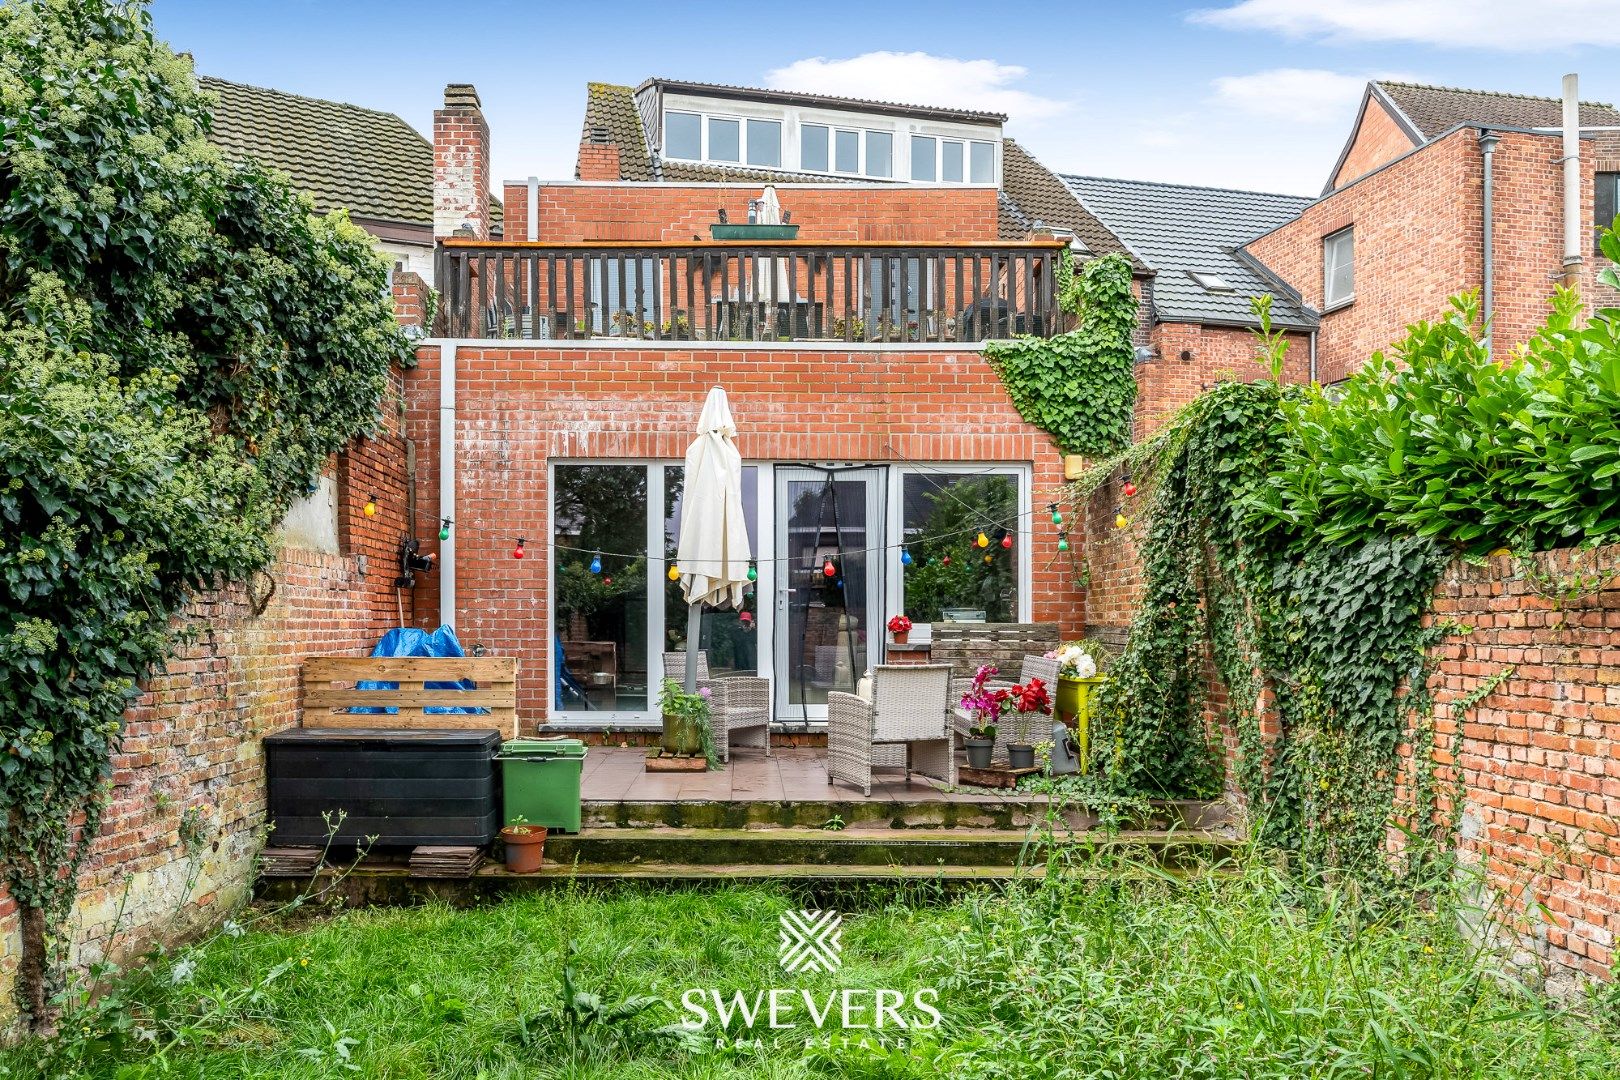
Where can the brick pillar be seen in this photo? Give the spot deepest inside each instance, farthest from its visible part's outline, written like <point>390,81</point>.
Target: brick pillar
<point>460,164</point>
<point>410,298</point>
<point>597,161</point>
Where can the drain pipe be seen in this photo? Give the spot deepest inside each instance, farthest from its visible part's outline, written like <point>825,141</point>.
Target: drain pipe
<point>1313,358</point>
<point>447,483</point>
<point>1572,181</point>
<point>1487,145</point>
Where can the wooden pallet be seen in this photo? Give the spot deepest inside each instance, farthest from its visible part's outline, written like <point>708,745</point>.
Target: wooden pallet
<point>329,692</point>
<point>289,861</point>
<point>658,761</point>
<point>996,776</point>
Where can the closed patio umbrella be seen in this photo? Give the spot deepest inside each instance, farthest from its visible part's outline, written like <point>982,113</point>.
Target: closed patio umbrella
<point>712,551</point>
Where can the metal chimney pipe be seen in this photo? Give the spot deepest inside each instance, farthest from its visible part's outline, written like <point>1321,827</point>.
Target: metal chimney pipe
<point>1572,181</point>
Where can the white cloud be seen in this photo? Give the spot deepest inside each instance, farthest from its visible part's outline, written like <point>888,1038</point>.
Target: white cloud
<point>1505,25</point>
<point>1304,95</point>
<point>919,78</point>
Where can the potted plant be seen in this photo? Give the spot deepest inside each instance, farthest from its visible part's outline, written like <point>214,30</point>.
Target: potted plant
<point>1030,697</point>
<point>900,627</point>
<point>525,845</point>
<point>981,743</point>
<point>686,721</point>
<point>1078,680</point>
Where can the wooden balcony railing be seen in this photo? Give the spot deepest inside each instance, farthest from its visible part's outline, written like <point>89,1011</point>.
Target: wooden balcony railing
<point>727,291</point>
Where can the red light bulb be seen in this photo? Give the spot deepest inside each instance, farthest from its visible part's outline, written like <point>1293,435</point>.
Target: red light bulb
<point>1006,541</point>
<point>1129,489</point>
<point>946,561</point>
<point>517,552</point>
<point>829,569</point>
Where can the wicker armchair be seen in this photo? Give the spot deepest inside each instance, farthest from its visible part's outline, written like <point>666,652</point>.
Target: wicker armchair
<point>1025,728</point>
<point>737,704</point>
<point>909,710</point>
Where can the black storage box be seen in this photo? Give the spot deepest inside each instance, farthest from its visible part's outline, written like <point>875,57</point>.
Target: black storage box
<point>403,787</point>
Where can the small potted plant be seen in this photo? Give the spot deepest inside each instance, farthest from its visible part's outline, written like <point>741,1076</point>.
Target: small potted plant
<point>900,628</point>
<point>981,743</point>
<point>686,721</point>
<point>525,845</point>
<point>1030,697</point>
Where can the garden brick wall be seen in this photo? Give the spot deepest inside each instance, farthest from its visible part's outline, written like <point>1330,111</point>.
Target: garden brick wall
<point>1418,235</point>
<point>1214,354</point>
<point>191,753</point>
<point>829,213</point>
<point>519,407</point>
<point>1539,758</point>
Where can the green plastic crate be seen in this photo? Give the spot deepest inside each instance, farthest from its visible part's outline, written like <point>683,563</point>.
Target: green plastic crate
<point>540,781</point>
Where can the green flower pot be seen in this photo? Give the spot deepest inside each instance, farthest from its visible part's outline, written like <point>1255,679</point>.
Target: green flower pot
<point>681,735</point>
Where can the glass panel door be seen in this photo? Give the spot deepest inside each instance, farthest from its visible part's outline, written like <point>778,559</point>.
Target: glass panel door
<point>828,626</point>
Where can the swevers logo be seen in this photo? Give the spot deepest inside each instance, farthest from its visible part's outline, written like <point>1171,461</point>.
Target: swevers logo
<point>810,941</point>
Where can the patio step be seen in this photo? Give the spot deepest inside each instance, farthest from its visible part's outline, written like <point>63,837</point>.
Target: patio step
<point>990,811</point>
<point>922,848</point>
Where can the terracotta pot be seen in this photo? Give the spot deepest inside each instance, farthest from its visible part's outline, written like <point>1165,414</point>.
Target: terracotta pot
<point>525,849</point>
<point>900,636</point>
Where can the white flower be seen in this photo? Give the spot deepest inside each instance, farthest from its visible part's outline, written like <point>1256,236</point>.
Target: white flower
<point>1074,661</point>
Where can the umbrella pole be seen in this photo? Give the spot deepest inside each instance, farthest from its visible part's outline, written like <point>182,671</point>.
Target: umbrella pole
<point>694,624</point>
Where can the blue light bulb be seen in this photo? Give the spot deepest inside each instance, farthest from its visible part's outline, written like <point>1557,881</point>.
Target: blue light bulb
<point>905,557</point>
<point>596,564</point>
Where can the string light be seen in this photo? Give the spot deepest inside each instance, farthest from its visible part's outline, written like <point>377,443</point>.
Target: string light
<point>753,572</point>
<point>444,530</point>
<point>988,559</point>
<point>1120,520</point>
<point>1007,541</point>
<point>607,581</point>
<point>1057,515</point>
<point>945,561</point>
<point>517,552</point>
<point>1130,488</point>
<point>905,557</point>
<point>371,506</point>
<point>674,572</point>
<point>596,564</point>
<point>829,569</point>
<point>1063,542</point>
<point>983,540</point>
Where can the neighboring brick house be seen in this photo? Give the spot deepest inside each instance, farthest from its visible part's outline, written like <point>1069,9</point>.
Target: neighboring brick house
<point>1400,229</point>
<point>370,163</point>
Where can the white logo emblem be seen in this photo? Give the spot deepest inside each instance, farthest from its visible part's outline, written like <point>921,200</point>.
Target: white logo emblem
<point>810,941</point>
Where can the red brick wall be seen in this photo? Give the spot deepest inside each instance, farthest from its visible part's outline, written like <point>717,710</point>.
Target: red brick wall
<point>1378,140</point>
<point>597,161</point>
<point>1418,233</point>
<point>191,746</point>
<point>1217,354</point>
<point>460,164</point>
<point>519,407</point>
<point>1539,758</point>
<point>834,213</point>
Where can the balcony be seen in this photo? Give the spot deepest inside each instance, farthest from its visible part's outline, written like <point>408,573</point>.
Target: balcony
<point>783,291</point>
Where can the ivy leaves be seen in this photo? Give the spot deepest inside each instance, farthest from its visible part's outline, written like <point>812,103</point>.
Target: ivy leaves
<point>1079,387</point>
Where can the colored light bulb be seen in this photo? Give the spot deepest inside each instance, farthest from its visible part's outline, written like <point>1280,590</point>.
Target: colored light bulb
<point>674,573</point>
<point>1057,517</point>
<point>1063,543</point>
<point>517,552</point>
<point>596,564</point>
<point>444,531</point>
<point>607,581</point>
<point>839,583</point>
<point>829,569</point>
<point>753,574</point>
<point>988,559</point>
<point>371,506</point>
<point>905,557</point>
<point>983,541</point>
<point>945,561</point>
<point>1120,521</point>
<point>1006,541</point>
<point>1129,489</point>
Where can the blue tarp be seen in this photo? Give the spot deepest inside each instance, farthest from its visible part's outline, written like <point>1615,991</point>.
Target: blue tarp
<point>413,641</point>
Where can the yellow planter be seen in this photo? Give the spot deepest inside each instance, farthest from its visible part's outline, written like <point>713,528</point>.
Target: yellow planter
<point>1072,705</point>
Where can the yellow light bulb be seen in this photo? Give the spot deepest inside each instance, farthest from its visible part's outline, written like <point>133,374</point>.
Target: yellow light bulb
<point>674,573</point>
<point>1120,521</point>
<point>989,558</point>
<point>983,540</point>
<point>371,509</point>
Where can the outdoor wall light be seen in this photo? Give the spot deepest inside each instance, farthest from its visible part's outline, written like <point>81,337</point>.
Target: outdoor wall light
<point>1145,353</point>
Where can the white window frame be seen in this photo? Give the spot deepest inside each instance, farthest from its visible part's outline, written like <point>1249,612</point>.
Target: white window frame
<point>1330,264</point>
<point>894,588</point>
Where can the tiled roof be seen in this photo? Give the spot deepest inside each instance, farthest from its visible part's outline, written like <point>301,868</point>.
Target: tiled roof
<point>1178,229</point>
<point>1038,195</point>
<point>611,117</point>
<point>371,163</point>
<point>794,97</point>
<point>1436,109</point>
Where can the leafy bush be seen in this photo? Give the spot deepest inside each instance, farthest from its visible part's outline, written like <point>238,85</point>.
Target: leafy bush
<point>183,345</point>
<point>1442,439</point>
<point>1079,387</point>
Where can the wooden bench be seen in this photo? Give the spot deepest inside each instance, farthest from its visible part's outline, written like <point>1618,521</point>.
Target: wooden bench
<point>329,692</point>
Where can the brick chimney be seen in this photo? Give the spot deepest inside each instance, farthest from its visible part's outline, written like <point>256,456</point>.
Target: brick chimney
<point>460,164</point>
<point>598,156</point>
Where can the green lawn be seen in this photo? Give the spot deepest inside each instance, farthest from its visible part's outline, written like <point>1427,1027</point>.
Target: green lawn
<point>1131,975</point>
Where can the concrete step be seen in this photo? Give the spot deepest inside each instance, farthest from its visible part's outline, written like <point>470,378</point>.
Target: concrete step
<point>982,812</point>
<point>620,847</point>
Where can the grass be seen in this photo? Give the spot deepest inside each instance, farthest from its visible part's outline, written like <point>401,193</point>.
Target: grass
<point>1130,974</point>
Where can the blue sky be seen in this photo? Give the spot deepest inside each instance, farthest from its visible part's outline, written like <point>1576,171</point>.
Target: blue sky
<point>1245,93</point>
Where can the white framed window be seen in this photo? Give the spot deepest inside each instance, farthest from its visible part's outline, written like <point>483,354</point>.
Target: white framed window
<point>725,139</point>
<point>765,143</point>
<point>981,163</point>
<point>683,136</point>
<point>814,148</point>
<point>950,161</point>
<point>849,151</point>
<point>879,154</point>
<point>924,158</point>
<point>936,513</point>
<point>1338,268</point>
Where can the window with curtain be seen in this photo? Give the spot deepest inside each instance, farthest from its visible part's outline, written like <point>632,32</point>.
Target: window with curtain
<point>949,577</point>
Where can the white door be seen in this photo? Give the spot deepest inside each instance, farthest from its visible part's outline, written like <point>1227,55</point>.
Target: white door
<point>828,626</point>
